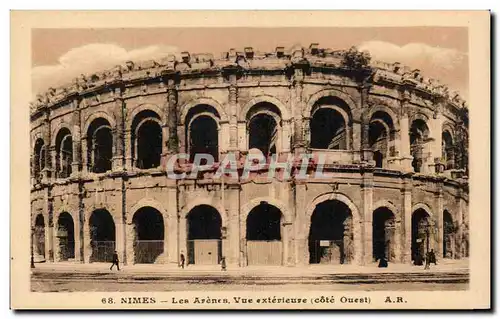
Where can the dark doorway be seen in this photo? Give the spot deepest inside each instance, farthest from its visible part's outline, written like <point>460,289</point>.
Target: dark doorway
<point>330,234</point>
<point>102,236</point>
<point>421,233</point>
<point>149,235</point>
<point>66,235</point>
<point>263,223</point>
<point>264,244</point>
<point>383,234</point>
<point>204,235</point>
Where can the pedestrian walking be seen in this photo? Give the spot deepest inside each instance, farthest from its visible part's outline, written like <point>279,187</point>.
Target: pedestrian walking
<point>427,260</point>
<point>223,264</point>
<point>382,263</point>
<point>432,257</point>
<point>183,260</point>
<point>115,261</point>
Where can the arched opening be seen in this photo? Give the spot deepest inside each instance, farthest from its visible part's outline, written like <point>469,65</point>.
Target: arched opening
<point>448,235</point>
<point>102,236</point>
<point>328,126</point>
<point>64,153</point>
<point>381,137</point>
<point>149,235</point>
<point>204,235</point>
<point>100,146</point>
<point>419,134</point>
<point>146,140</point>
<point>420,234</point>
<point>448,150</point>
<point>202,132</point>
<point>263,127</point>
<point>66,236</point>
<point>383,234</point>
<point>39,159</point>
<point>39,240</point>
<point>378,157</point>
<point>331,234</point>
<point>263,235</point>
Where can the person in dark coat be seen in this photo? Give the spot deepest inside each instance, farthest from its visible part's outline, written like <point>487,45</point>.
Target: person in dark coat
<point>223,264</point>
<point>183,260</point>
<point>428,260</point>
<point>115,261</point>
<point>382,263</point>
<point>432,257</point>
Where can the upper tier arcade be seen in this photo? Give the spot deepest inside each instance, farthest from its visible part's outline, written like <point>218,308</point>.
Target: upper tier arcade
<point>340,103</point>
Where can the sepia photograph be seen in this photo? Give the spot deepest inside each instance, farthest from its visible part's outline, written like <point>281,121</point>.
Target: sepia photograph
<point>278,166</point>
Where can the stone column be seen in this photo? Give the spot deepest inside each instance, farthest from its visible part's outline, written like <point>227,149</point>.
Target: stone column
<point>130,237</point>
<point>118,136</point>
<point>436,128</point>
<point>459,222</point>
<point>182,233</point>
<point>233,113</point>
<point>171,109</point>
<point>406,216</point>
<point>367,192</point>
<point>77,225</point>
<point>285,136</point>
<point>439,239</point>
<point>172,231</point>
<point>404,144</point>
<point>297,107</point>
<point>76,138</point>
<point>397,240</point>
<point>232,251</point>
<point>120,241</point>
<point>47,171</point>
<point>129,163</point>
<point>301,226</point>
<point>57,244</point>
<point>87,248</point>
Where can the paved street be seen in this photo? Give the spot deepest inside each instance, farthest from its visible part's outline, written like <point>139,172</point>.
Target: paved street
<point>449,275</point>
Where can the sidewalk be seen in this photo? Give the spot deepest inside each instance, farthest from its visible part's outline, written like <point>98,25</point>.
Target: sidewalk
<point>448,266</point>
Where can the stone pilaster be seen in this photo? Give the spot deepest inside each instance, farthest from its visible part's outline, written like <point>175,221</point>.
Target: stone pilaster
<point>171,107</point>
<point>130,239</point>
<point>77,140</point>
<point>129,161</point>
<point>405,158</point>
<point>298,106</point>
<point>233,113</point>
<point>406,220</point>
<point>118,132</point>
<point>301,226</point>
<point>231,243</point>
<point>367,194</point>
<point>436,147</point>
<point>439,238</point>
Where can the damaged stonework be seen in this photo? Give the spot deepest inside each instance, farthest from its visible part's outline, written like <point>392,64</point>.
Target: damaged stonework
<point>391,145</point>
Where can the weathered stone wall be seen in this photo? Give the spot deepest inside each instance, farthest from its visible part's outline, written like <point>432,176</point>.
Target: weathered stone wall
<point>293,83</point>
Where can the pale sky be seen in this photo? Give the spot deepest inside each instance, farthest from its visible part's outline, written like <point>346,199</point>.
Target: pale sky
<point>59,55</point>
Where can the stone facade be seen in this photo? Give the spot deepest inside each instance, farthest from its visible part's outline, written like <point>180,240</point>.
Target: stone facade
<point>86,155</point>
